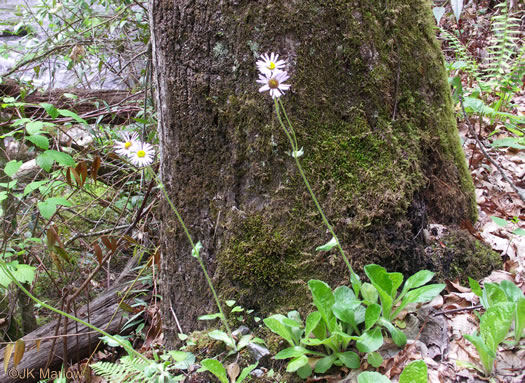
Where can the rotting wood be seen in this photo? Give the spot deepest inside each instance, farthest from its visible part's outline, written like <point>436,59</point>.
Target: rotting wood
<point>90,104</point>
<point>81,340</point>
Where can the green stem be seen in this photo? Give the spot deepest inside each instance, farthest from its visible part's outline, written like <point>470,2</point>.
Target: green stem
<point>293,143</point>
<point>195,252</point>
<point>129,349</point>
<point>289,124</point>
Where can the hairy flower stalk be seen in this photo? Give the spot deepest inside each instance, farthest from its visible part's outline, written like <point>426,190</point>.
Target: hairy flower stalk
<point>196,253</point>
<point>272,81</point>
<point>289,131</point>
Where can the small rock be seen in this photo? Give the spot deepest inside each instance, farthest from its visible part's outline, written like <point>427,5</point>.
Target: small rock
<point>76,135</point>
<point>258,352</point>
<point>243,330</point>
<point>257,373</point>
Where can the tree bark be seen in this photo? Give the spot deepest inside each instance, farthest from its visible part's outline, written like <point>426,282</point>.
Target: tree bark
<point>371,107</point>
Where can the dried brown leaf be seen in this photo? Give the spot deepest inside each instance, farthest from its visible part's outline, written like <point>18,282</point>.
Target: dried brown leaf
<point>106,241</point>
<point>95,166</point>
<point>98,252</point>
<point>233,370</point>
<point>7,355</point>
<point>68,177</point>
<point>20,348</point>
<point>52,237</point>
<point>76,175</point>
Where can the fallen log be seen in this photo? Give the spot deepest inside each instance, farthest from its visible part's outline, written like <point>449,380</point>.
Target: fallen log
<point>41,360</point>
<point>116,106</point>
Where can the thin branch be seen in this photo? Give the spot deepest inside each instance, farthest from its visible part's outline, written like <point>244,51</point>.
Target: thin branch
<point>470,308</point>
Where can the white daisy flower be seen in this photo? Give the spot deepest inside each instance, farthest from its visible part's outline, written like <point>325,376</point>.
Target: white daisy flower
<point>142,155</point>
<point>127,145</point>
<point>270,63</point>
<point>273,81</point>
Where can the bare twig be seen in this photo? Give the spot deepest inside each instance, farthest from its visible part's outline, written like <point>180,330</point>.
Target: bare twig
<point>470,308</point>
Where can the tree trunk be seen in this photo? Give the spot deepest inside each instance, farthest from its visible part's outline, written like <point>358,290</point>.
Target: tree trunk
<point>371,107</point>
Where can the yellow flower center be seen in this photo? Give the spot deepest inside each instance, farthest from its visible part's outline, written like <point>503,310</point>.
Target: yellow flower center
<point>273,83</point>
<point>141,154</point>
<point>127,145</point>
<point>271,65</point>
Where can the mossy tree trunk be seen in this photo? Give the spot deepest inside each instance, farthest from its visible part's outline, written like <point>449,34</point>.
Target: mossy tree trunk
<point>372,109</point>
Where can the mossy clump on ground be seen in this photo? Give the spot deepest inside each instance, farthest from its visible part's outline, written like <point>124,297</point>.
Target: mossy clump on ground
<point>458,255</point>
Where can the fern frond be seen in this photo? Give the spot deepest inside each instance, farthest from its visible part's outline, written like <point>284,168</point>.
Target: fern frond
<point>462,54</point>
<point>505,58</point>
<point>127,371</point>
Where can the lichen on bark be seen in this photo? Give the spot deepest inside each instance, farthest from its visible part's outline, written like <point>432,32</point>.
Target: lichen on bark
<point>371,107</point>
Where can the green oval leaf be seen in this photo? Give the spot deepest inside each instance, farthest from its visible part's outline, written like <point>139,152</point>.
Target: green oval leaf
<point>418,279</point>
<point>415,372</point>
<point>12,167</point>
<point>328,245</point>
<point>323,300</point>
<point>41,141</point>
<point>375,359</point>
<point>372,377</point>
<point>312,320</point>
<point>222,336</point>
<point>369,292</point>
<point>425,293</point>
<point>499,221</point>
<point>297,363</point>
<point>216,368</point>
<point>372,315</point>
<point>34,127</point>
<point>45,161</point>
<point>61,157</point>
<point>50,109</point>
<point>495,323</point>
<point>325,363</point>
<point>274,323</point>
<point>370,340</point>
<point>350,359</point>
<point>210,316</point>
<point>73,115</point>
<point>291,352</point>
<point>398,336</point>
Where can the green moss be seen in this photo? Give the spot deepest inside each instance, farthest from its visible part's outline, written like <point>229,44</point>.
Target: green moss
<point>266,266</point>
<point>261,257</point>
<point>459,256</point>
